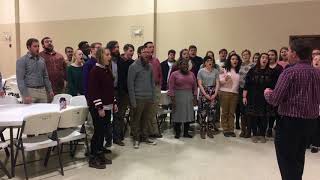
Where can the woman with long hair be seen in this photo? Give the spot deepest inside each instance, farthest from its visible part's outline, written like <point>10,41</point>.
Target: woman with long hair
<point>255,58</point>
<point>208,82</point>
<point>283,59</point>
<point>210,54</point>
<point>101,103</point>
<point>74,74</point>
<point>215,65</point>
<point>276,71</point>
<point>244,69</point>
<point>257,80</point>
<point>229,90</point>
<point>183,93</point>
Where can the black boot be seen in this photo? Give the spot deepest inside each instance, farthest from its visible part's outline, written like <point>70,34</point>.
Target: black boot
<point>94,162</point>
<point>186,130</point>
<point>210,130</point>
<point>177,130</point>
<point>269,133</point>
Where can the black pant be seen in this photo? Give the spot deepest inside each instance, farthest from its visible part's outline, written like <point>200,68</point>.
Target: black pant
<point>100,124</point>
<point>271,122</point>
<point>238,115</point>
<point>315,141</point>
<point>292,136</point>
<point>258,125</point>
<point>177,128</point>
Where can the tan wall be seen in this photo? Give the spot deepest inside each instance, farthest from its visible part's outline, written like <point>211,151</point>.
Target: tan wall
<point>71,32</point>
<point>8,54</point>
<point>209,24</point>
<point>7,26</point>
<point>165,6</point>
<point>258,28</point>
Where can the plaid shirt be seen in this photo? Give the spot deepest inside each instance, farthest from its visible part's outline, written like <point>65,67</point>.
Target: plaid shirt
<point>297,92</point>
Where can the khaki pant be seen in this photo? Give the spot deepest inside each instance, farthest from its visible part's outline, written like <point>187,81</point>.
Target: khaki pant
<point>228,102</point>
<point>153,123</point>
<point>38,95</point>
<point>140,115</point>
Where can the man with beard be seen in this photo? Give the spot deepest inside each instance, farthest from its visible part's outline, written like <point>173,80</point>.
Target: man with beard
<point>116,125</point>
<point>196,60</point>
<point>157,75</point>
<point>32,76</point>
<point>141,88</point>
<point>56,66</point>
<point>69,54</point>
<point>123,66</point>
<point>85,48</point>
<point>166,67</point>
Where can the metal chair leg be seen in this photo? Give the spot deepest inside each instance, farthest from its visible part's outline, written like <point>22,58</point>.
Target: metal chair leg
<point>61,148</point>
<point>3,167</point>
<point>87,145</point>
<point>71,146</point>
<point>76,143</point>
<point>46,160</point>
<point>3,140</point>
<point>24,163</point>
<point>60,159</point>
<point>15,158</point>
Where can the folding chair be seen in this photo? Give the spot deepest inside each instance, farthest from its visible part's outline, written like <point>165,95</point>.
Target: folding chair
<point>5,101</point>
<point>71,128</point>
<point>78,101</point>
<point>4,145</point>
<point>45,124</point>
<point>57,97</point>
<point>164,109</point>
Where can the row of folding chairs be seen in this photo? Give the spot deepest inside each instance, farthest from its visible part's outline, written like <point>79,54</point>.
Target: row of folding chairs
<point>51,130</point>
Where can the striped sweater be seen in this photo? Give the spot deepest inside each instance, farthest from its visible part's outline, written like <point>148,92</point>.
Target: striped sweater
<point>100,87</point>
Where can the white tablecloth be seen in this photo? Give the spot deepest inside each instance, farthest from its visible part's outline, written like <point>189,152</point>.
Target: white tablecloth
<point>12,115</point>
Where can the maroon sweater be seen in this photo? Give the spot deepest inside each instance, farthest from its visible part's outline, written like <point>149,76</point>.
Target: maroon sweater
<point>100,87</point>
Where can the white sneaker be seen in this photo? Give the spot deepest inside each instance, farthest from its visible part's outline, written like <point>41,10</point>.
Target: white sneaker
<point>136,144</point>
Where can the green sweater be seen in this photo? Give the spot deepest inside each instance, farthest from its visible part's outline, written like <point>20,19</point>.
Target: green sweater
<point>74,77</point>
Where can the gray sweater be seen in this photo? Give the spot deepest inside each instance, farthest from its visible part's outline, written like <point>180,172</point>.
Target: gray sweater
<point>140,82</point>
